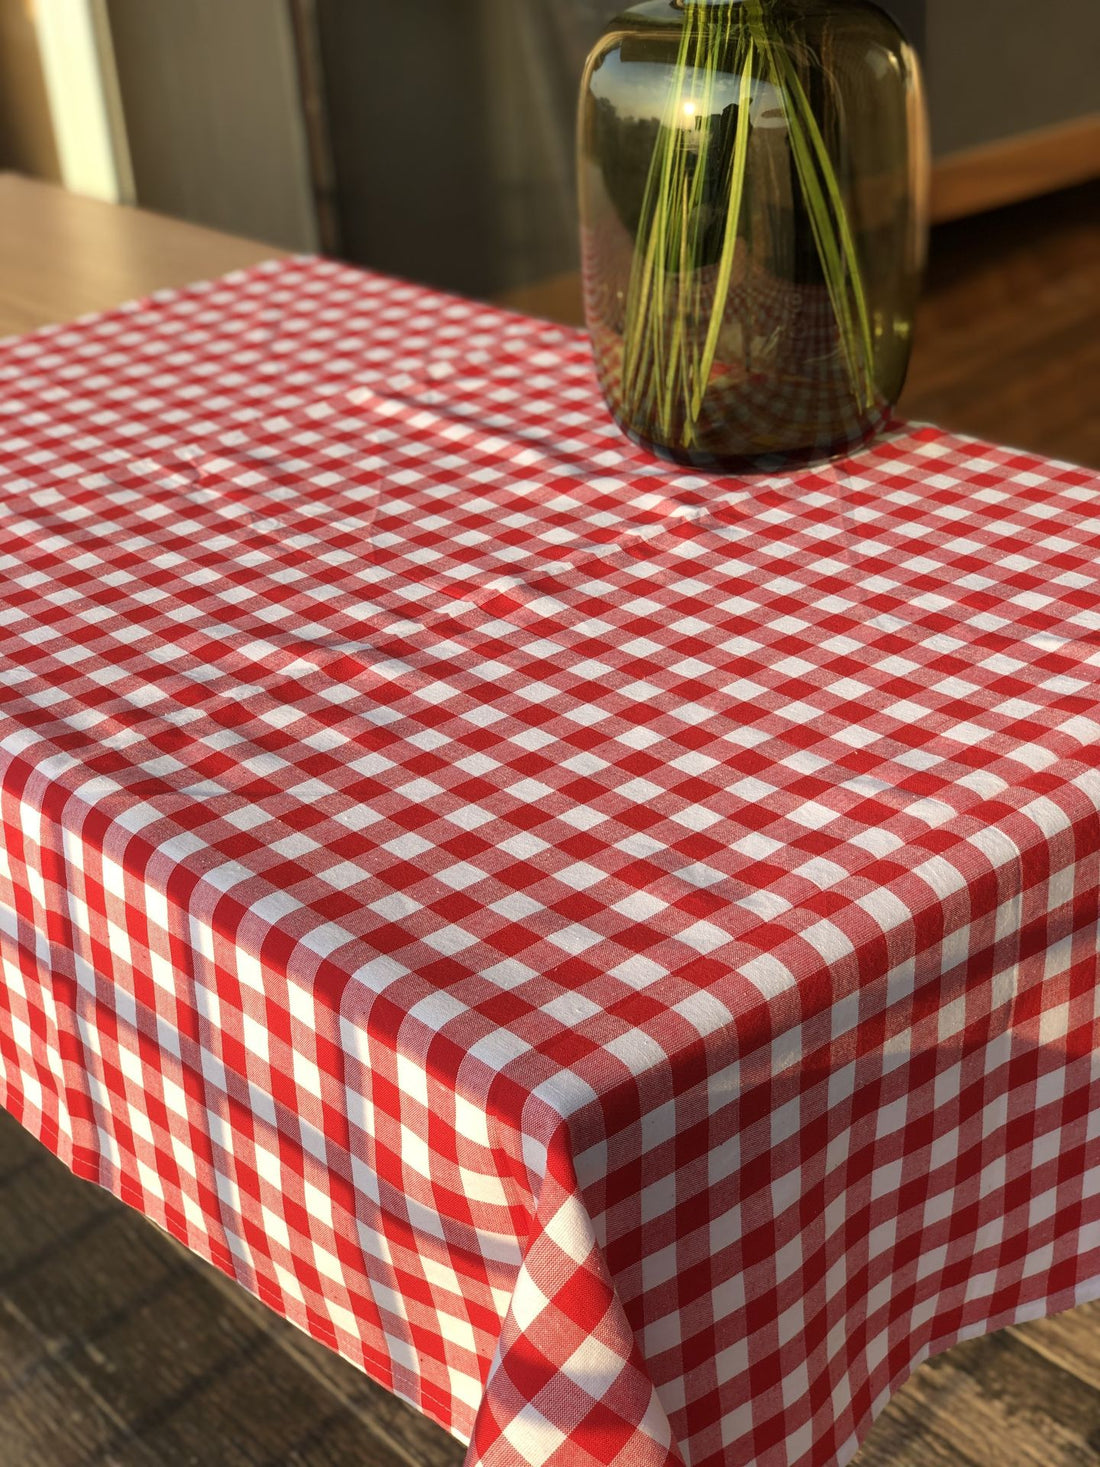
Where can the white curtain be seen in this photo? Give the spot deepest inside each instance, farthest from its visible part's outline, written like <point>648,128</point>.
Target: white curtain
<point>534,53</point>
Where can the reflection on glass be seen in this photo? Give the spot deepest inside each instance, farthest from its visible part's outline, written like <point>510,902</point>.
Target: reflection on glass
<point>753,180</point>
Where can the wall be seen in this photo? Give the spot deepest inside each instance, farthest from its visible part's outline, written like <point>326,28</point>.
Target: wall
<point>452,132</point>
<point>1001,67</point>
<point>26,133</point>
<point>412,138</point>
<point>212,101</point>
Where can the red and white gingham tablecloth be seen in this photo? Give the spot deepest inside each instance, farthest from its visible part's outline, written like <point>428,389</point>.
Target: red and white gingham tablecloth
<point>611,951</point>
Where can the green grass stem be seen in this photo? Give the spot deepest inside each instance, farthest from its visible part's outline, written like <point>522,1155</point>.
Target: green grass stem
<point>672,338</point>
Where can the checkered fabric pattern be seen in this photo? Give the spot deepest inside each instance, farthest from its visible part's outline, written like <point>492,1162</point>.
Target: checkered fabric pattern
<point>780,378</point>
<point>611,951</point>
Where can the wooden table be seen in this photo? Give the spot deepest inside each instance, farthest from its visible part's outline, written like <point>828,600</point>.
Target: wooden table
<point>61,256</point>
<point>112,1340</point>
<point>1008,343</point>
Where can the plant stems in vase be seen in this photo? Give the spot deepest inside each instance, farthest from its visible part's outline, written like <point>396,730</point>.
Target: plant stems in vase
<point>753,202</point>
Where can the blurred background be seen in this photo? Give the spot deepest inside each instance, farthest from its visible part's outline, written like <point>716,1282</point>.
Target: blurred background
<point>434,140</point>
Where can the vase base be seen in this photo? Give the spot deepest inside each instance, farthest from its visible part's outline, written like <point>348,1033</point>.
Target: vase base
<point>774,462</point>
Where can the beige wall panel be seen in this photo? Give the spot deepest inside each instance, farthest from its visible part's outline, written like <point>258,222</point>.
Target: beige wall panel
<point>26,132</point>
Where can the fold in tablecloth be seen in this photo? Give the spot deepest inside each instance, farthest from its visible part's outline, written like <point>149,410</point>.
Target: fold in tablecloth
<point>611,951</point>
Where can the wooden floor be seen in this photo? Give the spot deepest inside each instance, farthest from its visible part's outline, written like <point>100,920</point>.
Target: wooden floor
<point>1008,335</point>
<point>120,1349</point>
<point>117,1349</point>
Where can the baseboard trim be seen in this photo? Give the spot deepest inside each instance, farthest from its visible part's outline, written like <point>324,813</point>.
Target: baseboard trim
<point>1016,168</point>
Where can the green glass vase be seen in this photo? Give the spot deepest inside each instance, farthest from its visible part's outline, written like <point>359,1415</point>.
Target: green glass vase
<point>753,189</point>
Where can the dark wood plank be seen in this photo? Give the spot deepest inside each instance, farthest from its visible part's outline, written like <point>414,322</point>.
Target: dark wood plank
<point>905,1436</point>
<point>998,1402</point>
<point>1070,1341</point>
<point>119,1347</point>
<point>1008,345</point>
<point>49,1415</point>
